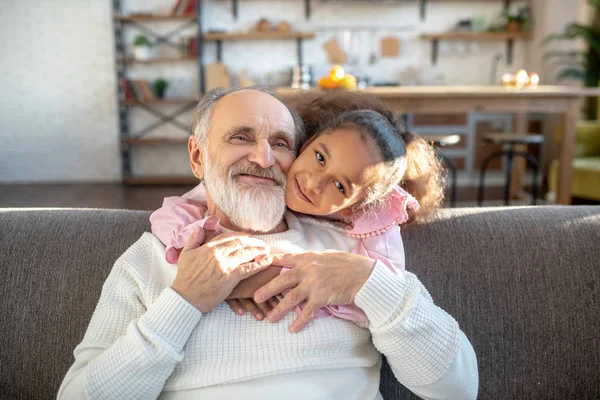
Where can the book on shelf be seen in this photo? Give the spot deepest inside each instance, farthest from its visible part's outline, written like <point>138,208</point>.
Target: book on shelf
<point>126,89</point>
<point>138,89</point>
<point>145,89</point>
<point>182,7</point>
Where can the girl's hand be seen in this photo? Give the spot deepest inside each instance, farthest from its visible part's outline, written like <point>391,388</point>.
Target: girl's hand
<point>320,279</point>
<point>258,311</point>
<point>240,300</point>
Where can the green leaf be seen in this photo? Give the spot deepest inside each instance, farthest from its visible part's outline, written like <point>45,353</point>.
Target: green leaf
<point>571,73</point>
<point>566,54</point>
<point>595,4</point>
<point>573,31</point>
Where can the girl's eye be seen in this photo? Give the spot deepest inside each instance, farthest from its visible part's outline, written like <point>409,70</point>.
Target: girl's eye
<point>340,187</point>
<point>320,158</point>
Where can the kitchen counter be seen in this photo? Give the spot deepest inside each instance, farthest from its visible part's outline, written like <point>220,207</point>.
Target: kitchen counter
<point>563,100</point>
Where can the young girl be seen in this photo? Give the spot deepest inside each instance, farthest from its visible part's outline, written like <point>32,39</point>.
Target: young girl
<point>348,171</point>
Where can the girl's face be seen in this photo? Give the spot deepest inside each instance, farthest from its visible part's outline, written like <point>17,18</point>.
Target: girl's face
<point>331,173</point>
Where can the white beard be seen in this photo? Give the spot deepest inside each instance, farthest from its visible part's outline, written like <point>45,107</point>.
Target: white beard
<point>251,208</point>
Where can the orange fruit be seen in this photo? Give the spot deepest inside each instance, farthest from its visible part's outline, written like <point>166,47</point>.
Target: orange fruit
<point>327,83</point>
<point>348,82</point>
<point>336,73</point>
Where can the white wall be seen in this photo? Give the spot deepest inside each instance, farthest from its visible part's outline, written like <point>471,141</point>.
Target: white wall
<point>58,112</point>
<point>58,118</point>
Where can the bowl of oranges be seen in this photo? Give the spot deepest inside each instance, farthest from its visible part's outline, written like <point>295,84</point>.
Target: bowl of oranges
<point>337,79</point>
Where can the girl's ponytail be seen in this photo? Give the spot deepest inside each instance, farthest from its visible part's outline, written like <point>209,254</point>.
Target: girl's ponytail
<point>424,178</point>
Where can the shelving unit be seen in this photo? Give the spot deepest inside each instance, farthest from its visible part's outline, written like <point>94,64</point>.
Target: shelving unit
<point>139,21</point>
<point>130,139</point>
<point>240,36</point>
<point>509,37</point>
<point>423,5</point>
<point>157,60</point>
<point>154,17</point>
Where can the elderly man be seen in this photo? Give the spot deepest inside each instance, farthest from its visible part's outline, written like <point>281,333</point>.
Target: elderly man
<point>165,331</point>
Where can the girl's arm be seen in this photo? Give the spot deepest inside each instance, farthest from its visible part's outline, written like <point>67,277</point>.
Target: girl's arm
<point>177,218</point>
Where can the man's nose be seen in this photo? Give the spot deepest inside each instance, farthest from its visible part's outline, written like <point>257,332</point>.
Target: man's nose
<point>262,154</point>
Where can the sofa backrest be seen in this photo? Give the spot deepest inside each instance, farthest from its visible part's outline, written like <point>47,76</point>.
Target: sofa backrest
<point>523,284</point>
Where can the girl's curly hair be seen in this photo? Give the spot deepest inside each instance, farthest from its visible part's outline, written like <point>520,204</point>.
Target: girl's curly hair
<point>424,177</point>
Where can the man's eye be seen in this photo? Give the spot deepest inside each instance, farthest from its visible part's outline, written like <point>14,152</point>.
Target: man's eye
<point>282,145</point>
<point>340,187</point>
<point>320,158</point>
<point>240,138</point>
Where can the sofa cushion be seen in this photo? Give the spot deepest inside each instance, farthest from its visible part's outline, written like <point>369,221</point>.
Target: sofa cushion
<point>53,264</point>
<point>523,283</point>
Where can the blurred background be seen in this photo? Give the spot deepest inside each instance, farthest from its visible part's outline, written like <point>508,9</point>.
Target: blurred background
<point>97,95</point>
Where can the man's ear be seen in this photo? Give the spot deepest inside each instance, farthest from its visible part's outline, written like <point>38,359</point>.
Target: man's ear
<point>196,160</point>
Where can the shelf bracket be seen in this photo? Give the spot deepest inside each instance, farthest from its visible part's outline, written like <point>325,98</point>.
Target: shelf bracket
<point>307,9</point>
<point>234,9</point>
<point>219,51</point>
<point>510,45</point>
<point>434,51</point>
<point>423,9</point>
<point>164,119</point>
<point>299,51</point>
<point>167,37</point>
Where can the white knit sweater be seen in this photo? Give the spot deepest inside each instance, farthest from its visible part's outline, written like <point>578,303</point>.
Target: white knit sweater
<point>145,339</point>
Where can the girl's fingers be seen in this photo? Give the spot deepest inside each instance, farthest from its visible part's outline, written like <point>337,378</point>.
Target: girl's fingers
<point>235,306</point>
<point>252,308</point>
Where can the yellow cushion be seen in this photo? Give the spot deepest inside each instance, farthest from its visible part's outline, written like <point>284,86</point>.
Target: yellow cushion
<point>586,177</point>
<point>587,143</point>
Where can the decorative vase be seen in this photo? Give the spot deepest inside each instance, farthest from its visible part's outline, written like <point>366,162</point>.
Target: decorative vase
<point>142,52</point>
<point>513,27</point>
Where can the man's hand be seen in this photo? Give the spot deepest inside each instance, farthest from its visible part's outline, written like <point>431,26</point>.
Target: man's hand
<point>206,274</point>
<point>320,279</point>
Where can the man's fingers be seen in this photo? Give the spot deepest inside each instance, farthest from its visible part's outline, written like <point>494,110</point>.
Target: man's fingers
<point>249,254</point>
<point>290,300</point>
<point>286,280</point>
<point>285,260</point>
<point>227,237</point>
<point>308,314</point>
<point>246,270</point>
<point>234,305</point>
<point>252,309</point>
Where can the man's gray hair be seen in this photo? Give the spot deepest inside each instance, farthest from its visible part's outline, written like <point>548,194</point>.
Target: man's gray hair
<point>203,113</point>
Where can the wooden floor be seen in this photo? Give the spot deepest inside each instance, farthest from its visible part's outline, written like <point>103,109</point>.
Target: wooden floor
<point>151,197</point>
<point>88,196</point>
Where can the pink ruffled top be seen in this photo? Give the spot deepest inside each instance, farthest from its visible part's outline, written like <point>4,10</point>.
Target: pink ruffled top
<point>178,217</point>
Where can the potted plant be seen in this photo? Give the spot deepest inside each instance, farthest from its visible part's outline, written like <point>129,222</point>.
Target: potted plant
<point>160,85</point>
<point>142,48</point>
<point>513,23</point>
<point>580,65</point>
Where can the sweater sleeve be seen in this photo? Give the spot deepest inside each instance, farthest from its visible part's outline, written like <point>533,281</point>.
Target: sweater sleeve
<point>423,344</point>
<point>129,350</point>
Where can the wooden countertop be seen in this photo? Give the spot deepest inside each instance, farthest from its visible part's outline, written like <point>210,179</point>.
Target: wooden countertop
<point>494,91</point>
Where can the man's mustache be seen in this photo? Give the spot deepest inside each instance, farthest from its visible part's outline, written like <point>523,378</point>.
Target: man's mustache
<point>252,169</point>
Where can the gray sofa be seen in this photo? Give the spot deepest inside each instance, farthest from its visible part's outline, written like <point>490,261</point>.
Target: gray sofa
<point>522,282</point>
